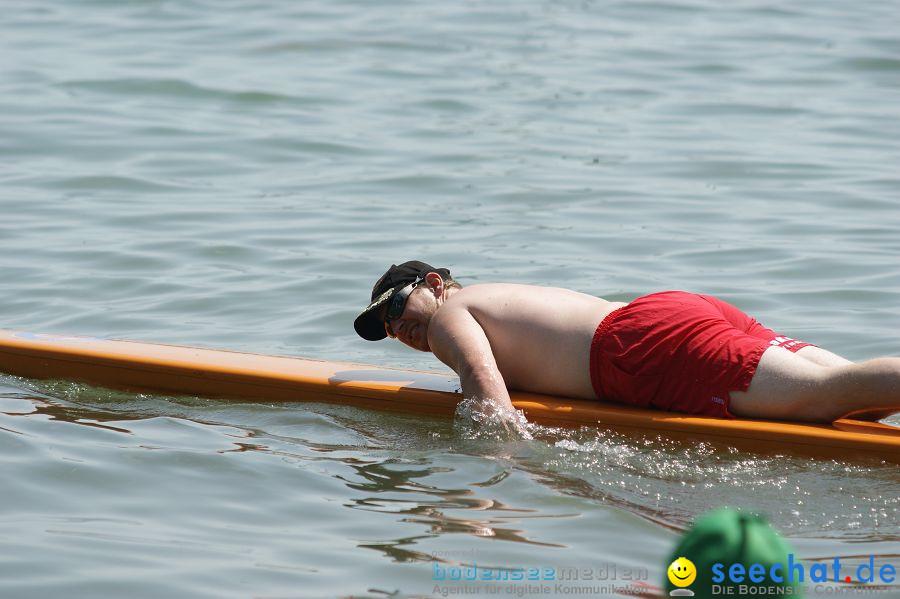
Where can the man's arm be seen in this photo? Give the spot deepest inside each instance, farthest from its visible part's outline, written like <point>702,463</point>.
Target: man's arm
<point>458,341</point>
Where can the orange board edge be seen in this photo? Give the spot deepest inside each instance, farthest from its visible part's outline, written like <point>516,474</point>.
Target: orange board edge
<point>182,370</point>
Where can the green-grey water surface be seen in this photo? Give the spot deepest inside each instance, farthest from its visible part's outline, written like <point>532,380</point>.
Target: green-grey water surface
<point>236,174</point>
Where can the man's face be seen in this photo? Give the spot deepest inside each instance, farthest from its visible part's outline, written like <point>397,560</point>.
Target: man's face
<point>412,326</point>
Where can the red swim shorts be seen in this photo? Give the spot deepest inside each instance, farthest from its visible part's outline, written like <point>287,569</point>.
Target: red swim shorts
<point>679,351</point>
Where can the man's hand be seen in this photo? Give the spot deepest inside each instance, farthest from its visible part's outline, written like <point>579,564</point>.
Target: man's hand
<point>491,417</point>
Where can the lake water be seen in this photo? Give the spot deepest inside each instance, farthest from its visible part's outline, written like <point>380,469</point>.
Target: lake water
<point>236,174</point>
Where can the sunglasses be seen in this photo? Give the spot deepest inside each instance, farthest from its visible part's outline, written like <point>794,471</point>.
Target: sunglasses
<point>398,305</point>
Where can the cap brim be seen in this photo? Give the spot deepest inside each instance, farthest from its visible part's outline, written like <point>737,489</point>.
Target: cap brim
<point>370,324</point>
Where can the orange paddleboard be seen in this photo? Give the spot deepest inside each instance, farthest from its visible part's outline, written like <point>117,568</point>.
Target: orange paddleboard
<point>169,369</point>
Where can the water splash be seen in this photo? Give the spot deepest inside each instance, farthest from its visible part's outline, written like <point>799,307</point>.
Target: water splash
<point>483,419</point>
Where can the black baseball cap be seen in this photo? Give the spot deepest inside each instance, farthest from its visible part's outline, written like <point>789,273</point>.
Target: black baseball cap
<point>370,324</point>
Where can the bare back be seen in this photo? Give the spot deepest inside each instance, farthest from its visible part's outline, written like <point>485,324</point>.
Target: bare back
<point>540,336</point>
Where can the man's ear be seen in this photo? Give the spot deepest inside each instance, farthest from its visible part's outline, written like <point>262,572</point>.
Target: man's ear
<point>436,283</point>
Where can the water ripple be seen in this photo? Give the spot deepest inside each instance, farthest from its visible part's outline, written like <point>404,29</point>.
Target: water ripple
<point>237,174</point>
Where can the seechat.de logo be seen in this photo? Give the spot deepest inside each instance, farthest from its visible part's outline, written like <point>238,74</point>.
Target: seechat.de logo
<point>682,573</point>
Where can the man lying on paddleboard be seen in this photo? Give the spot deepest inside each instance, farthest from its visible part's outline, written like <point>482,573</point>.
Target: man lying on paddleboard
<point>671,350</point>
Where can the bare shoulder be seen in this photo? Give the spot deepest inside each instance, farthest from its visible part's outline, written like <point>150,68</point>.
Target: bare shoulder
<point>482,291</point>
<point>464,300</point>
<point>455,336</point>
<point>506,310</point>
<point>461,307</point>
<point>460,315</point>
<point>492,292</point>
<point>454,311</point>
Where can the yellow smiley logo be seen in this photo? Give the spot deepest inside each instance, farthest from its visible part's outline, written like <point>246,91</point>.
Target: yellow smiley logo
<point>682,572</point>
